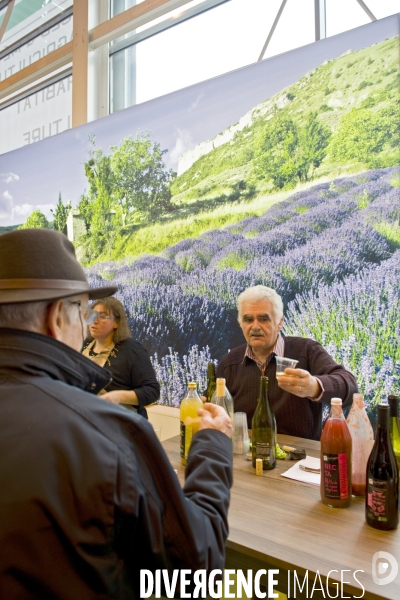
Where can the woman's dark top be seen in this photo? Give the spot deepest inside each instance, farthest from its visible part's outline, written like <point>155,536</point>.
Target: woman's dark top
<point>131,369</point>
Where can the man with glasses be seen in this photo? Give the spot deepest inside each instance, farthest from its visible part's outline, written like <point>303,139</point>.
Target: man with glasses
<point>88,496</point>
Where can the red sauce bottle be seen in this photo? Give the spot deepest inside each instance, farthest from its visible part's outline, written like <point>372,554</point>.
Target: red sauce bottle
<point>336,459</point>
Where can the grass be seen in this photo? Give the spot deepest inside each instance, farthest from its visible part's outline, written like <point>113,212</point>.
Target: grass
<point>153,239</point>
<point>391,233</point>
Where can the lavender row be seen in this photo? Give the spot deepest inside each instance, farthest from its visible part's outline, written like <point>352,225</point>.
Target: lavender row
<point>185,299</point>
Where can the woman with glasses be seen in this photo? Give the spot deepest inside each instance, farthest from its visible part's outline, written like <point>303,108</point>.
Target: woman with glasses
<point>111,346</point>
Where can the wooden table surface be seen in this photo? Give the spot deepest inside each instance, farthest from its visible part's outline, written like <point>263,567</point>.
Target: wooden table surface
<point>283,523</point>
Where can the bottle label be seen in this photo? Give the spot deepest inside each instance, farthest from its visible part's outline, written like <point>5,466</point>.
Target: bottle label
<point>264,451</point>
<point>377,500</point>
<point>185,439</point>
<point>335,476</point>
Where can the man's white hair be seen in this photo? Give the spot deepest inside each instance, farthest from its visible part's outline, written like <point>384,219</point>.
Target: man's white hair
<point>261,292</point>
<point>25,315</point>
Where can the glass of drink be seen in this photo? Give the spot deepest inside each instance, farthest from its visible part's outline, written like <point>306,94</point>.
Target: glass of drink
<point>283,363</point>
<point>241,440</point>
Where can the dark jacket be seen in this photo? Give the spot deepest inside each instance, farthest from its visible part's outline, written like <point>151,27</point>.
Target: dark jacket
<point>131,369</point>
<point>88,496</point>
<point>295,416</point>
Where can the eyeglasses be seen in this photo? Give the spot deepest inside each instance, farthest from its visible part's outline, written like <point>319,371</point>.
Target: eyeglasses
<point>87,313</point>
<point>102,316</point>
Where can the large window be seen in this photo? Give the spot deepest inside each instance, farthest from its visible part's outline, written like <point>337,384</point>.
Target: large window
<point>36,116</point>
<point>172,46</point>
<point>147,63</point>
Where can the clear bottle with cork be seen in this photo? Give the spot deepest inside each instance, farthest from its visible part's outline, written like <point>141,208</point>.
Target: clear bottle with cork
<point>189,419</point>
<point>362,436</point>
<point>336,448</point>
<point>222,397</point>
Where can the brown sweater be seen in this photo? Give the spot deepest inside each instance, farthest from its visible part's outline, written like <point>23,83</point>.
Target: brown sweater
<point>295,416</point>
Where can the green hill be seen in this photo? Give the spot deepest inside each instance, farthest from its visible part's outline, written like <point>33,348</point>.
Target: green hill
<point>339,119</point>
<point>363,80</point>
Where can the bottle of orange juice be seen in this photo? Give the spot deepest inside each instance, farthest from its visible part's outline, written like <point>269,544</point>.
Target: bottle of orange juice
<point>189,418</point>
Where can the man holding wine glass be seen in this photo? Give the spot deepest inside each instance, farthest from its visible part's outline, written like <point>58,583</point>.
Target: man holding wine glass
<point>298,396</point>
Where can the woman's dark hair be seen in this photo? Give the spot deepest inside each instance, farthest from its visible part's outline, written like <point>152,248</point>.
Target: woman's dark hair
<point>115,308</point>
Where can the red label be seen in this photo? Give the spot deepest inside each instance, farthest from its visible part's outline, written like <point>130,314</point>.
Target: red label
<point>377,500</point>
<point>335,476</point>
<point>343,476</point>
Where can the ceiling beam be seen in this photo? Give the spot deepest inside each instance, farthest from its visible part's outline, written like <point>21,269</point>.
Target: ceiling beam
<point>271,31</point>
<point>40,68</point>
<point>6,19</point>
<point>130,19</point>
<point>366,9</point>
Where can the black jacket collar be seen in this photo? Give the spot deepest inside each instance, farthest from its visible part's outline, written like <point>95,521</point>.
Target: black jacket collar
<point>40,355</point>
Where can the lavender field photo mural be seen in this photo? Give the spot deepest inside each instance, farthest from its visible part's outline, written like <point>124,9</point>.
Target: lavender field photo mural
<point>285,173</point>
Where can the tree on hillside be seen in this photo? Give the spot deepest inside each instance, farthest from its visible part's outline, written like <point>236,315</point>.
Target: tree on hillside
<point>36,220</point>
<point>276,149</point>
<point>130,185</point>
<point>60,215</point>
<point>140,179</point>
<point>288,153</point>
<point>363,133</point>
<point>313,141</point>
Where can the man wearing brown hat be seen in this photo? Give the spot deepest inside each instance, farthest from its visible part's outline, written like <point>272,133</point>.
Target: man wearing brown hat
<point>87,494</point>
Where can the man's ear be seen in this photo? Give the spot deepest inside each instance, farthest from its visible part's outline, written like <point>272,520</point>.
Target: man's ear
<point>280,324</point>
<point>55,320</point>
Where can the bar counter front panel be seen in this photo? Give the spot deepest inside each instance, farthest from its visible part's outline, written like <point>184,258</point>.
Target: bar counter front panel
<point>279,523</point>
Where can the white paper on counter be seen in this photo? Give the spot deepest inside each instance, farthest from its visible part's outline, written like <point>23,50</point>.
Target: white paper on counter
<point>296,473</point>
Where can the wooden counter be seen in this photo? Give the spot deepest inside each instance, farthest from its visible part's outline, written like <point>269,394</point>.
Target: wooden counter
<point>280,523</point>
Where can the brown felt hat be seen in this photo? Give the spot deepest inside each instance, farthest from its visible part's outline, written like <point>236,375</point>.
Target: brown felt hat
<point>40,264</point>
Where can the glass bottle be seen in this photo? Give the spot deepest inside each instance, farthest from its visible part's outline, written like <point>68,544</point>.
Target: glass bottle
<point>394,430</point>
<point>189,419</point>
<point>211,381</point>
<point>382,501</point>
<point>222,397</point>
<point>362,437</point>
<point>263,430</point>
<point>336,458</point>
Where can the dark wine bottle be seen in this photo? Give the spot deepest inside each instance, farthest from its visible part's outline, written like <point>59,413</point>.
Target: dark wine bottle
<point>382,501</point>
<point>263,430</point>
<point>394,403</point>
<point>211,382</point>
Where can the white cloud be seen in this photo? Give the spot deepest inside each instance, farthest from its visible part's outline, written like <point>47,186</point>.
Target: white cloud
<point>9,177</point>
<point>5,205</point>
<point>183,142</point>
<point>23,210</point>
<point>45,209</point>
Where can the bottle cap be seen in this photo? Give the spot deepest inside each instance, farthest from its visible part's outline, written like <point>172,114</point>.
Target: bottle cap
<point>394,403</point>
<point>336,402</point>
<point>358,400</point>
<point>220,386</point>
<point>192,385</point>
<point>383,415</point>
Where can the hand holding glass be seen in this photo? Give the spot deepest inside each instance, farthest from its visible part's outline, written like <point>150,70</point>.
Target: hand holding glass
<point>283,363</point>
